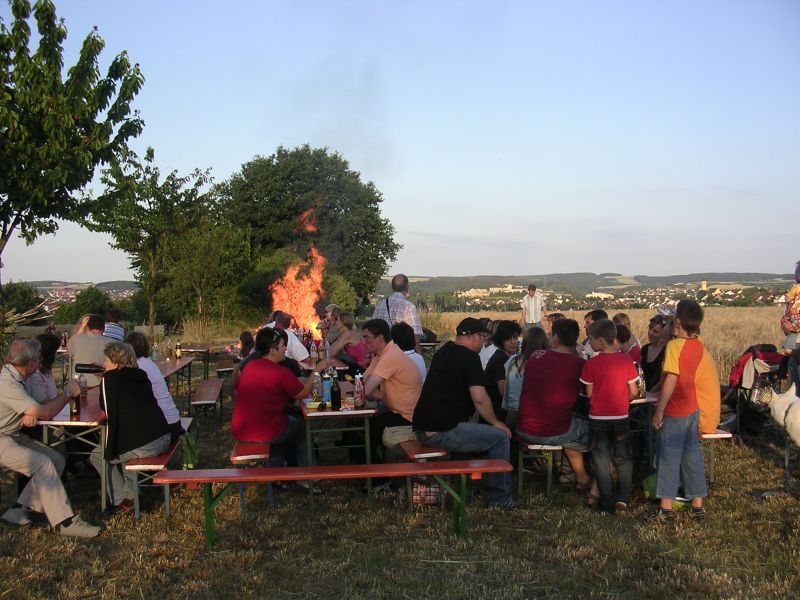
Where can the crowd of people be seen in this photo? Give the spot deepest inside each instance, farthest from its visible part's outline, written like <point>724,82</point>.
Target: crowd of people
<point>533,378</point>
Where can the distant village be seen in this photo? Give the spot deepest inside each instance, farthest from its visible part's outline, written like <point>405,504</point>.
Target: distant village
<point>56,295</point>
<point>508,296</point>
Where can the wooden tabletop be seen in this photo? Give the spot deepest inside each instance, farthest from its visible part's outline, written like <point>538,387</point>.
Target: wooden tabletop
<point>90,415</point>
<point>336,363</point>
<point>170,366</point>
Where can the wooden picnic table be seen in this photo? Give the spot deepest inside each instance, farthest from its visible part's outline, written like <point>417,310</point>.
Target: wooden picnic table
<point>203,350</point>
<point>181,369</point>
<point>81,427</point>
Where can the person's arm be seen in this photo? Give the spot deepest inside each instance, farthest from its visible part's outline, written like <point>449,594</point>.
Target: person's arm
<point>51,408</point>
<point>340,344</point>
<point>633,390</point>
<point>501,387</point>
<point>372,387</point>
<point>668,384</point>
<point>309,382</point>
<point>483,404</point>
<point>417,347</point>
<point>589,387</point>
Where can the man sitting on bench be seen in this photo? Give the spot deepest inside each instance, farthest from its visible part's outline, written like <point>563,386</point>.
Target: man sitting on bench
<point>452,392</point>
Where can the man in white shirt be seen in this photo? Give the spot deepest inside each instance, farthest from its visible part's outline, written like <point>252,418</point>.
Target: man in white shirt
<point>533,309</point>
<point>396,308</point>
<point>295,348</point>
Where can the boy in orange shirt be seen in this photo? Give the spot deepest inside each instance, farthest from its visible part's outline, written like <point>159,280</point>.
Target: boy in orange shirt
<point>677,416</point>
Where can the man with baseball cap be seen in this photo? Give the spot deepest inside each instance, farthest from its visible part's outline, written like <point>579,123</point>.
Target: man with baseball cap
<point>452,392</point>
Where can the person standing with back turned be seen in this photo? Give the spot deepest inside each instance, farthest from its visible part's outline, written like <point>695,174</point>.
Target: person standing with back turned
<point>396,308</point>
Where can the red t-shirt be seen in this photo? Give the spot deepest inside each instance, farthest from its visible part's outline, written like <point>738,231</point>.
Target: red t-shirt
<point>263,391</point>
<point>609,373</point>
<point>635,352</point>
<point>550,388</point>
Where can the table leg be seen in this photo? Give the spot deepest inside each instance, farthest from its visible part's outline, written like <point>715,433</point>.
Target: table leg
<point>310,457</point>
<point>368,454</point>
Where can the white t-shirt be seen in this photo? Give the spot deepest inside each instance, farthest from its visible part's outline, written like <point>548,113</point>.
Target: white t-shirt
<point>418,361</point>
<point>295,348</point>
<point>486,353</point>
<point>160,389</point>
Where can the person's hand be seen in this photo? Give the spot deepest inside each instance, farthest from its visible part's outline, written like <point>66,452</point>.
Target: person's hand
<point>322,365</point>
<point>73,389</point>
<point>502,427</point>
<point>28,421</point>
<point>658,420</point>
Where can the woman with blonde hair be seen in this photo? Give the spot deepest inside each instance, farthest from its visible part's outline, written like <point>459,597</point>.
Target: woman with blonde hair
<point>349,346</point>
<point>135,425</point>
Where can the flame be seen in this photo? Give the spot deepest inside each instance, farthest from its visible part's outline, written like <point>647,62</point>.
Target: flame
<point>299,289</point>
<point>308,222</point>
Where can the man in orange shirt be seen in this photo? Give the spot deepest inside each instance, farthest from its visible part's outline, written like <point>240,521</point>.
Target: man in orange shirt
<point>392,377</point>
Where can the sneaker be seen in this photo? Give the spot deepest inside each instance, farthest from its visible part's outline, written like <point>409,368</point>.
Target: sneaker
<point>620,507</point>
<point>509,504</point>
<point>16,516</point>
<point>80,528</point>
<point>698,514</point>
<point>666,517</point>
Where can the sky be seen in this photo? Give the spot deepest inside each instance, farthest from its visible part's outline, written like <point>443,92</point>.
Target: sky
<point>506,137</point>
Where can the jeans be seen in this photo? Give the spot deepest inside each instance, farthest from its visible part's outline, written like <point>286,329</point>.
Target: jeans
<point>575,438</point>
<point>612,442</point>
<point>120,481</point>
<point>794,371</point>
<point>680,459</point>
<point>474,437</point>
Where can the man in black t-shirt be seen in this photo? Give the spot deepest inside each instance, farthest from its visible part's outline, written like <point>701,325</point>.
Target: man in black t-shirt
<point>452,392</point>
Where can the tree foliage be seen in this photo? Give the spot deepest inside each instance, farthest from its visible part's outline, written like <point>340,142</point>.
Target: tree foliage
<point>55,131</point>
<point>20,296</point>
<point>145,214</point>
<point>269,195</point>
<point>338,291</point>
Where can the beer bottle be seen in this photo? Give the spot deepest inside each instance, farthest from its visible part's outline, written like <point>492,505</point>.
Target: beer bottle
<point>336,394</point>
<point>178,351</point>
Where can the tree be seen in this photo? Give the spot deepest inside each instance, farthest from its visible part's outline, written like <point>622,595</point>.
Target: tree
<point>338,291</point>
<point>144,213</point>
<point>305,196</point>
<point>54,131</point>
<point>20,296</point>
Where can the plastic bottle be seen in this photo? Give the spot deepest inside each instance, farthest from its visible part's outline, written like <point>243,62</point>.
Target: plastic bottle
<point>641,382</point>
<point>359,397</point>
<point>326,389</point>
<point>154,352</point>
<point>316,389</point>
<point>75,403</point>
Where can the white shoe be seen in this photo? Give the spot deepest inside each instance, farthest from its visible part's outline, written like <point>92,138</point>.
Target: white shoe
<point>16,516</point>
<point>80,528</point>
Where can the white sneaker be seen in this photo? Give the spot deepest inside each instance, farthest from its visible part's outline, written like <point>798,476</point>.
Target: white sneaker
<point>16,516</point>
<point>80,528</point>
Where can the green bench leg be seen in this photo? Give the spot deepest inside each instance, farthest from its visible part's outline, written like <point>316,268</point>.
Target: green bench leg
<point>210,503</point>
<point>166,500</point>
<point>459,504</point>
<point>549,473</point>
<point>520,469</point>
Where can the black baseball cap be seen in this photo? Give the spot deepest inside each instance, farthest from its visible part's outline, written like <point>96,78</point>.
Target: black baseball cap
<point>469,326</point>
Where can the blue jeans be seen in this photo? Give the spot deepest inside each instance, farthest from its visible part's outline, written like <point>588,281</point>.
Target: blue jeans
<point>475,437</point>
<point>575,438</point>
<point>612,442</point>
<point>680,459</point>
<point>794,371</point>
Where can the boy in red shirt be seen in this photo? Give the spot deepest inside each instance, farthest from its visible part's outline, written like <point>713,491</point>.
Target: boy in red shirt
<point>677,416</point>
<point>611,383</point>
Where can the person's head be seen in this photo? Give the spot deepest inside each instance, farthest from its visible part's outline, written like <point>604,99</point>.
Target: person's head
<point>376,334</point>
<point>655,329</point>
<point>25,355</point>
<point>592,316</point>
<point>403,336</point>
<point>271,343</point>
<point>506,336</point>
<point>119,355</point>
<point>797,272</point>
<point>534,339</point>
<point>282,320</point>
<point>602,334</point>
<point>622,319</point>
<point>565,333</point>
<point>622,337</point>
<point>332,312</point>
<point>491,327</point>
<point>95,324</point>
<point>49,343</point>
<point>531,290</point>
<point>138,341</point>
<point>113,315</point>
<point>471,333</point>
<point>346,320</point>
<point>688,317</point>
<point>400,283</point>
<point>246,342</point>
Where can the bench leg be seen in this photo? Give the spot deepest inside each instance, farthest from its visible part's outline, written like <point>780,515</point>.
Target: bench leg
<point>460,510</point>
<point>367,451</point>
<point>787,449</point>
<point>270,498</point>
<point>711,461</point>
<point>166,500</point>
<point>549,474</point>
<point>208,508</point>
<point>241,499</point>
<point>520,469</point>
<point>136,493</point>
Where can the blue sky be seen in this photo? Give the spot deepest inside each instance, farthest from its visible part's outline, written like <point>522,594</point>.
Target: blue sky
<point>506,137</point>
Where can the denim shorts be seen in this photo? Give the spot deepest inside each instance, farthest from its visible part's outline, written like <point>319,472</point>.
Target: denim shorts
<point>575,438</point>
<point>791,342</point>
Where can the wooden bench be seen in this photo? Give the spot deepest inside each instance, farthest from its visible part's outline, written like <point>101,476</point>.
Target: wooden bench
<point>208,395</point>
<point>224,368</point>
<point>227,477</point>
<point>529,448</point>
<point>719,434</point>
<point>416,452</point>
<point>146,467</point>
<point>251,452</point>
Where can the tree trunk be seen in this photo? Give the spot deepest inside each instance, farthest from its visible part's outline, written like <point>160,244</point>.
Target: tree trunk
<point>151,316</point>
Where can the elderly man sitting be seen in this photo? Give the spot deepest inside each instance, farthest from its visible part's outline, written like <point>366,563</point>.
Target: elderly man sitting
<point>44,492</point>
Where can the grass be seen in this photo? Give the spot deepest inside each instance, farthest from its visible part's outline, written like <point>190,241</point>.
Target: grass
<point>551,548</point>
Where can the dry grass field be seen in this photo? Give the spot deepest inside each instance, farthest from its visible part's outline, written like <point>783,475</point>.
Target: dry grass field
<point>551,548</point>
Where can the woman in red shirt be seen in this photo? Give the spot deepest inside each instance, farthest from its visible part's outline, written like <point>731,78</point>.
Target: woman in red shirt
<point>264,391</point>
